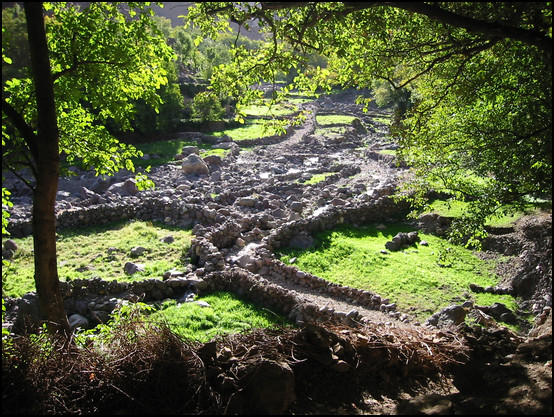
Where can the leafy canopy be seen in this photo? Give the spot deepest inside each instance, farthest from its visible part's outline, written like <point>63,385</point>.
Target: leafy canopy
<point>104,58</point>
<point>479,124</point>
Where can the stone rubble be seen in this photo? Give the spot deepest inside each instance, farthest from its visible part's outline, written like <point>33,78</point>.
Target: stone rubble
<point>242,208</point>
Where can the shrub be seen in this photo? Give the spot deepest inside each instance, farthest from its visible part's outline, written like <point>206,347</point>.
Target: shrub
<point>206,106</point>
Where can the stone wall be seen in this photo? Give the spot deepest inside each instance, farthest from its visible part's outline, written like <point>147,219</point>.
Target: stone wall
<point>222,263</point>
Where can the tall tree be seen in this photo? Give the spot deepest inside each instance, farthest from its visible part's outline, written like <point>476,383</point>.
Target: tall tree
<point>480,75</point>
<point>87,67</point>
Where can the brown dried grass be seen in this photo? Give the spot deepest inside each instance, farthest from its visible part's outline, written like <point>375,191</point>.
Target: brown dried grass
<point>147,369</point>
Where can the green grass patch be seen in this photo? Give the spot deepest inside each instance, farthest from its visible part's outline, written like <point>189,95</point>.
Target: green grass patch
<point>412,277</point>
<point>317,178</point>
<point>334,119</point>
<point>252,129</point>
<point>227,314</point>
<point>456,208</point>
<point>101,251</point>
<point>283,109</point>
<point>330,132</point>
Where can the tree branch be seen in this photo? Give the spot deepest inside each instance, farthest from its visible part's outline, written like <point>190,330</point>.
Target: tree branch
<point>26,131</point>
<point>491,29</point>
<point>77,64</point>
<point>494,30</point>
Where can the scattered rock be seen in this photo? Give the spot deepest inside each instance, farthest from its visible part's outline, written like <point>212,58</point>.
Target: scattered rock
<point>78,321</point>
<point>126,188</point>
<point>132,268</point>
<point>193,164</point>
<point>402,240</point>
<point>447,317</point>
<point>137,251</point>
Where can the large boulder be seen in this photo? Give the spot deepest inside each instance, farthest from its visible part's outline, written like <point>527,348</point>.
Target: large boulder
<point>132,268</point>
<point>402,240</point>
<point>126,188</point>
<point>193,164</point>
<point>448,317</point>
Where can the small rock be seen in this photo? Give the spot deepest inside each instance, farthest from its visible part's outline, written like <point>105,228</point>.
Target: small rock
<point>137,251</point>
<point>131,268</point>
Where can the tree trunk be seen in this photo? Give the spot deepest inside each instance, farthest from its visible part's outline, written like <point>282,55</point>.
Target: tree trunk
<point>47,164</point>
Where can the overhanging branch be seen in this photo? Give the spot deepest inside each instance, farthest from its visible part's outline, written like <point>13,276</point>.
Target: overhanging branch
<point>26,132</point>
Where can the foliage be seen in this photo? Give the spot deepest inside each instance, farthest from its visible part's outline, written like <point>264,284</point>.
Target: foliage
<point>478,77</point>
<point>206,106</point>
<point>386,96</point>
<point>149,119</point>
<point>102,62</point>
<point>88,68</point>
<point>14,43</point>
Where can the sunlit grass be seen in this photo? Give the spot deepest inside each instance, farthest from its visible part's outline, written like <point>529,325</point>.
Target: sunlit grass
<point>317,178</point>
<point>226,314</point>
<point>101,251</point>
<point>456,208</point>
<point>276,110</point>
<point>420,279</point>
<point>334,119</point>
<point>252,129</point>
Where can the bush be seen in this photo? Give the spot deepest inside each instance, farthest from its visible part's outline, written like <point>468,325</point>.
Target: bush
<point>206,106</point>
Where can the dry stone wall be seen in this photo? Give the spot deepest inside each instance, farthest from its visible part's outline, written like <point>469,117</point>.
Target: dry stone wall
<point>221,263</point>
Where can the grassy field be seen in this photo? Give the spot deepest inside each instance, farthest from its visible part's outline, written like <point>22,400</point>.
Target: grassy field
<point>252,129</point>
<point>334,119</point>
<point>101,251</point>
<point>420,279</point>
